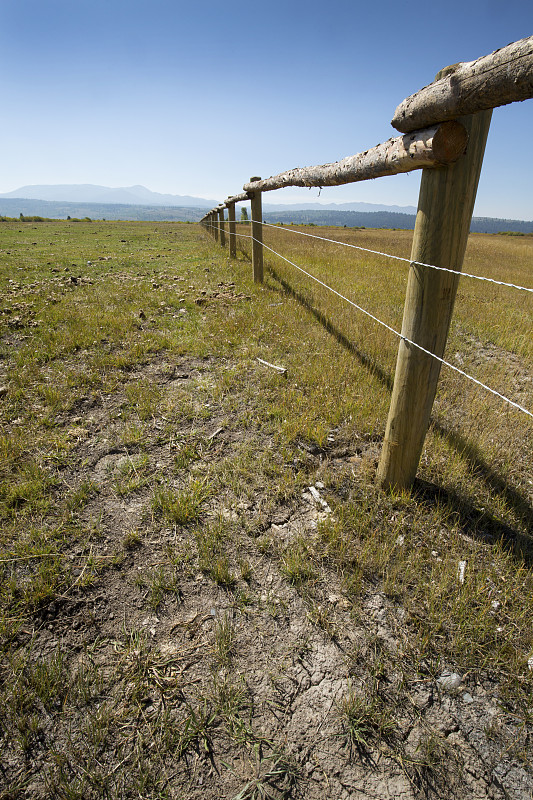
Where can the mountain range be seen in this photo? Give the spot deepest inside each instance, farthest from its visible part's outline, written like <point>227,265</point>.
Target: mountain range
<point>89,193</point>
<point>139,203</point>
<point>140,195</point>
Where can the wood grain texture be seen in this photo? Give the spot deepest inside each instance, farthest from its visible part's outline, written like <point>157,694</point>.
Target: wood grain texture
<point>503,77</point>
<point>435,146</point>
<point>221,226</point>
<point>238,198</point>
<point>443,218</point>
<point>257,234</point>
<point>231,230</point>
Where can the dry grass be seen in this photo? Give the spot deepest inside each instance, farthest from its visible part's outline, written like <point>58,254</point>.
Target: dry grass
<point>167,579</point>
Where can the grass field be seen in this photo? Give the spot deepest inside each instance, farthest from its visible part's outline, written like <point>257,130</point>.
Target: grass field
<point>203,593</point>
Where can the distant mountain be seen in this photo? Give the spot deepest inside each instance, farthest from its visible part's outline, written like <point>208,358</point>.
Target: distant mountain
<point>13,207</point>
<point>365,207</point>
<point>89,193</point>
<point>140,195</point>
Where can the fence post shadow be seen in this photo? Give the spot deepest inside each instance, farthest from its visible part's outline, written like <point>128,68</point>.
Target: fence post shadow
<point>471,517</point>
<point>368,361</point>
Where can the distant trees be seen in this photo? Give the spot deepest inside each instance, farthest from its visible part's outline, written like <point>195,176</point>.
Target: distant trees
<point>244,215</point>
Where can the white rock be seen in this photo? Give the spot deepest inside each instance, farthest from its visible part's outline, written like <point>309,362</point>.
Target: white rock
<point>450,680</point>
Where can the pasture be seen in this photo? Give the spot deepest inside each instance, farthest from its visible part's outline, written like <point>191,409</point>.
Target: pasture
<point>203,593</point>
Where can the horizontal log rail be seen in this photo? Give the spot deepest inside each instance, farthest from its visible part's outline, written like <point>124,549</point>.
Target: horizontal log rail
<point>503,77</point>
<point>445,126</point>
<point>433,147</point>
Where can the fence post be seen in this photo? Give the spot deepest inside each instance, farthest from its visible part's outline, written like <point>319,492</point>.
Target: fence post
<point>231,231</point>
<point>221,225</point>
<point>445,207</point>
<point>215,225</point>
<point>257,233</point>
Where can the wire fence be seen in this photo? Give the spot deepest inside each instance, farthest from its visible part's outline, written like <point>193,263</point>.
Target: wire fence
<point>446,125</point>
<point>392,330</point>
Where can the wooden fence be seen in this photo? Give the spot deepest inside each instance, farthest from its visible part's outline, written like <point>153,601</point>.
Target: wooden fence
<point>445,127</point>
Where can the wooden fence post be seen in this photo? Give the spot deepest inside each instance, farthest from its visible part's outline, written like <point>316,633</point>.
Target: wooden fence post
<point>442,226</point>
<point>215,225</point>
<point>231,231</point>
<point>221,226</point>
<point>257,233</point>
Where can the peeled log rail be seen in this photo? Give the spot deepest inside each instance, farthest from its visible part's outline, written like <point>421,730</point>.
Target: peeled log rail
<point>237,198</point>
<point>432,147</point>
<point>503,77</point>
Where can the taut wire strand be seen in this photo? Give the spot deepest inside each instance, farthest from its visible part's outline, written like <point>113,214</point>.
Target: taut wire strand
<point>388,327</point>
<point>399,258</point>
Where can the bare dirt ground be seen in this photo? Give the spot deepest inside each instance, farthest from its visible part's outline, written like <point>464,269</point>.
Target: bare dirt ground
<point>268,695</point>
<point>218,650</point>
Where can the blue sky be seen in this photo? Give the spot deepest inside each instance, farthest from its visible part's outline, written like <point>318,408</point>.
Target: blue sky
<point>195,98</point>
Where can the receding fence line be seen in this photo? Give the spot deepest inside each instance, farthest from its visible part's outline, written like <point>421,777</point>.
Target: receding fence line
<point>395,258</point>
<point>454,112</point>
<point>394,331</point>
<point>401,258</point>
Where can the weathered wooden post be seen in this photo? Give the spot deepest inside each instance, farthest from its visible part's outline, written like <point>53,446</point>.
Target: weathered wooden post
<point>215,224</point>
<point>257,233</point>
<point>445,207</point>
<point>231,231</point>
<point>221,226</point>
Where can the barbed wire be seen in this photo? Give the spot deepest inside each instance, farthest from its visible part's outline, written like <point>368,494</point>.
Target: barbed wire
<point>388,327</point>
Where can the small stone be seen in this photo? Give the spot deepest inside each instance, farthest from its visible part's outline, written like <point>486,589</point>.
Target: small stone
<point>3,390</point>
<point>467,698</point>
<point>449,681</point>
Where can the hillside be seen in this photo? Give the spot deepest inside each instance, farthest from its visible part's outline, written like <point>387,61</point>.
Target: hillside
<point>13,207</point>
<point>90,193</point>
<point>386,219</point>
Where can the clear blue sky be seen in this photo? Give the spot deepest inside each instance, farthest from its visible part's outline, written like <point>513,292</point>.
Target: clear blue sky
<point>195,98</point>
